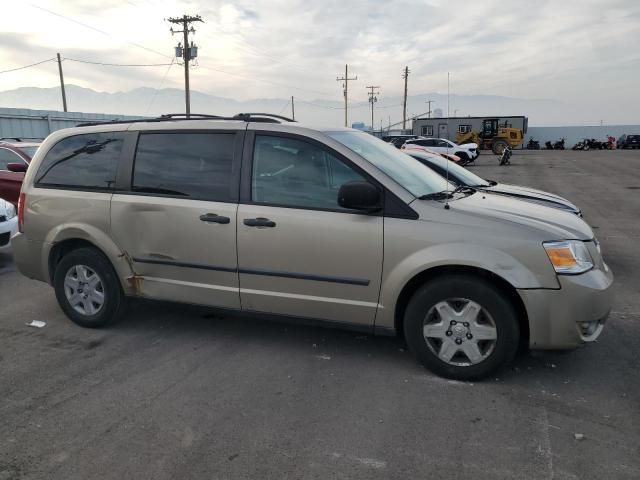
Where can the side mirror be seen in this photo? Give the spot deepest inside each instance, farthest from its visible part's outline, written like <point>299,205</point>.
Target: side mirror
<point>360,196</point>
<point>17,167</point>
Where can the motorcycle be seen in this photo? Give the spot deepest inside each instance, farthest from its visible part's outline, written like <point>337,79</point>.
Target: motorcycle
<point>533,144</point>
<point>582,145</point>
<point>559,145</point>
<point>595,144</point>
<point>506,156</point>
<point>548,145</point>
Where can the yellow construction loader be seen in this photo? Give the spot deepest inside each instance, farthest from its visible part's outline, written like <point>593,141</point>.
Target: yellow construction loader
<point>493,136</point>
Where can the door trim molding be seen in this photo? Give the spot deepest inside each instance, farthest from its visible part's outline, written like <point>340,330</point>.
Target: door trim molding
<point>173,263</point>
<point>306,276</point>
<point>254,271</point>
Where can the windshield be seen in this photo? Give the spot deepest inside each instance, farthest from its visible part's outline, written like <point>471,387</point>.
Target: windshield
<point>465,176</point>
<point>418,179</point>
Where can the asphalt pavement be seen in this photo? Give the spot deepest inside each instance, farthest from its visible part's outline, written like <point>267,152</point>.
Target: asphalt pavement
<point>176,392</point>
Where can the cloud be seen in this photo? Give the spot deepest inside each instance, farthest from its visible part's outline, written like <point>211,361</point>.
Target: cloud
<point>571,51</point>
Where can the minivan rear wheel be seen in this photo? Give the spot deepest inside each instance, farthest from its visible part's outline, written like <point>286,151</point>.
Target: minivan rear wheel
<point>87,288</point>
<point>461,327</point>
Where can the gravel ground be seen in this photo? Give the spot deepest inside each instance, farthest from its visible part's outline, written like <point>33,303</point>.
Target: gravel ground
<point>177,392</point>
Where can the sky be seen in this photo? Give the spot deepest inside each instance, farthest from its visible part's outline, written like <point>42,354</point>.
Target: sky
<point>572,51</point>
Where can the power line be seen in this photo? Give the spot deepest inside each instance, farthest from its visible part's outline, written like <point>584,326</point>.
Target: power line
<point>262,80</point>
<point>155,94</point>
<point>28,66</point>
<point>118,64</point>
<point>90,27</point>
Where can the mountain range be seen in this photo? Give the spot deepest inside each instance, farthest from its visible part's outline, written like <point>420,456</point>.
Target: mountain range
<point>152,102</point>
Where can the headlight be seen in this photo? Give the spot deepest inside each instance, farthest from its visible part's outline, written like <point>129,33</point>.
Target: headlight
<point>569,257</point>
<point>10,211</point>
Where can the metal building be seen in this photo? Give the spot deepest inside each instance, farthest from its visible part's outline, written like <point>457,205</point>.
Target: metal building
<point>25,123</point>
<point>443,127</point>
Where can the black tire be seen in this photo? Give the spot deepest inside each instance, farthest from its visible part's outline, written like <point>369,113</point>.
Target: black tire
<point>498,147</point>
<point>114,299</point>
<point>464,157</point>
<point>490,298</point>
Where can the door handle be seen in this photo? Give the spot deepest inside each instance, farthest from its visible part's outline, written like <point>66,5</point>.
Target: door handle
<point>259,222</point>
<point>214,218</point>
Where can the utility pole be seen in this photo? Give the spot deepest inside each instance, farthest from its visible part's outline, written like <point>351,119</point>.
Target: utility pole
<point>185,51</point>
<point>429,102</point>
<point>346,80</point>
<point>405,75</point>
<point>373,99</point>
<point>64,95</point>
<point>293,110</point>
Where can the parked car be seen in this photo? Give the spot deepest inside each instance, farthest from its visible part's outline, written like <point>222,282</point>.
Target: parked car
<point>467,152</point>
<point>258,214</point>
<point>418,148</point>
<point>628,141</point>
<point>463,177</point>
<point>398,140</point>
<point>8,224</point>
<point>15,156</point>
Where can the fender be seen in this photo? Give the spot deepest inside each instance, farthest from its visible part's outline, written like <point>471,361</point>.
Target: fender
<point>482,257</point>
<point>72,231</point>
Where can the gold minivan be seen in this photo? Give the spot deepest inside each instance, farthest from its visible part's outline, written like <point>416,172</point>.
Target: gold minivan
<point>259,214</point>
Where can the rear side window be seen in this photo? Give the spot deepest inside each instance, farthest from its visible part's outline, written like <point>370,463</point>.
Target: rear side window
<point>82,161</point>
<point>191,165</point>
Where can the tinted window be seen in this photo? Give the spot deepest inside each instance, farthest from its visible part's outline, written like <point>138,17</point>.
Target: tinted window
<point>298,174</point>
<point>88,161</point>
<point>7,156</point>
<point>195,165</point>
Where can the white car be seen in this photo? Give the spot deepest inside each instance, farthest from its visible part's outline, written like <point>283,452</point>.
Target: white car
<point>8,225</point>
<point>467,152</point>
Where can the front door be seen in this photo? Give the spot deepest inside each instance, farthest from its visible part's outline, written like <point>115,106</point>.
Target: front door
<point>177,224</point>
<point>443,130</point>
<point>299,252</point>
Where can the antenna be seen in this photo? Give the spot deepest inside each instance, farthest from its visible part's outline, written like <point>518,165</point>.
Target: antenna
<point>446,202</point>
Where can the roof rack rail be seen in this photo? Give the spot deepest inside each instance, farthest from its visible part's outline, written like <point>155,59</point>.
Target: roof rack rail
<point>20,139</point>
<point>262,117</point>
<point>245,117</point>
<point>178,116</point>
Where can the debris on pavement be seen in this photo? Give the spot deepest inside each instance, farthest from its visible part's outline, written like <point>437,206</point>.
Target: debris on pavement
<point>36,323</point>
<point>578,436</point>
<point>323,357</point>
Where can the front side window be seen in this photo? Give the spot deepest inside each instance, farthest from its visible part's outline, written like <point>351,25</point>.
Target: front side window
<point>82,161</point>
<point>190,165</point>
<point>415,177</point>
<point>7,156</point>
<point>294,173</point>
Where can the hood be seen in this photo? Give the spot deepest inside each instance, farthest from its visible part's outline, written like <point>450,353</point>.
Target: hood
<point>547,223</point>
<point>533,195</point>
<point>469,145</point>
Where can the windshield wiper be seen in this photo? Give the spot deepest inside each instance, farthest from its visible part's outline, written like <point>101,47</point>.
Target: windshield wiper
<point>443,195</point>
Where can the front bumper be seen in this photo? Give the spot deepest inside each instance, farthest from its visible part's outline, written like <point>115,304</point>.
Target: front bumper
<point>8,229</point>
<point>571,316</point>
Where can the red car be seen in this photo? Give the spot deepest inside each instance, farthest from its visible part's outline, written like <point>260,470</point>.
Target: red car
<point>15,156</point>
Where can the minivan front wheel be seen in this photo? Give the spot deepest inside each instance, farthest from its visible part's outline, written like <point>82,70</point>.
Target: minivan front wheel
<point>87,288</point>
<point>461,327</point>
